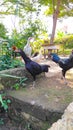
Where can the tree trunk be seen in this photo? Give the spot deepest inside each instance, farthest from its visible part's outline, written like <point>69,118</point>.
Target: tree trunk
<point>55,16</point>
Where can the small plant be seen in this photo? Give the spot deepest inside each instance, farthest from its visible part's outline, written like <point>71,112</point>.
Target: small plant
<point>4,102</point>
<point>28,127</point>
<point>17,85</point>
<point>6,62</point>
<point>21,83</point>
<point>1,121</point>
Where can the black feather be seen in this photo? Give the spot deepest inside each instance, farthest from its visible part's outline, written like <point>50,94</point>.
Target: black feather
<point>33,67</point>
<point>65,64</point>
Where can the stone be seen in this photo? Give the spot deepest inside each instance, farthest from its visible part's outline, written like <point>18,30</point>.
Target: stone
<point>66,122</point>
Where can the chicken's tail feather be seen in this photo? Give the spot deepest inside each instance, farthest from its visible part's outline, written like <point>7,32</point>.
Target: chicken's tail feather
<point>45,68</point>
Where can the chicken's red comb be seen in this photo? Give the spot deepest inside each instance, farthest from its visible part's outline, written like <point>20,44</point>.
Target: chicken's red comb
<point>14,48</point>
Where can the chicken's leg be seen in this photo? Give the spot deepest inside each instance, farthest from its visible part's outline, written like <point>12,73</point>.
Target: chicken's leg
<point>63,76</point>
<point>34,78</point>
<point>33,84</point>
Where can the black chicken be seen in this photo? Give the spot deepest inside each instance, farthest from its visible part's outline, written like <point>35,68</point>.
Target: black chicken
<point>32,67</point>
<point>65,64</point>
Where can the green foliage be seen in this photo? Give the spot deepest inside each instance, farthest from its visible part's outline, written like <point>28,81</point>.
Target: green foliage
<point>17,7</point>
<point>28,126</point>
<point>15,39</point>
<point>48,11</point>
<point>45,2</point>
<point>6,62</point>
<point>21,83</point>
<point>36,45</point>
<point>34,29</point>
<point>1,121</point>
<point>60,34</point>
<point>66,41</point>
<point>65,8</point>
<point>16,86</point>
<point>3,31</point>
<point>4,102</point>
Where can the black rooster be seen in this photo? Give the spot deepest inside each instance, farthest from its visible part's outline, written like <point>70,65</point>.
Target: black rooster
<point>32,67</point>
<point>65,64</point>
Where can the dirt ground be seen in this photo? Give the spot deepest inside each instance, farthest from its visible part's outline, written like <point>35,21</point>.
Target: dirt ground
<point>50,88</point>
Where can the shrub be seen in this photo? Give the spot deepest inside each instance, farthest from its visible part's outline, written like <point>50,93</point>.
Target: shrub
<point>66,41</point>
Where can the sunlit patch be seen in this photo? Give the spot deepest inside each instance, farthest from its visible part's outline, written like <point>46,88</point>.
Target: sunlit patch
<point>69,77</point>
<point>69,74</point>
